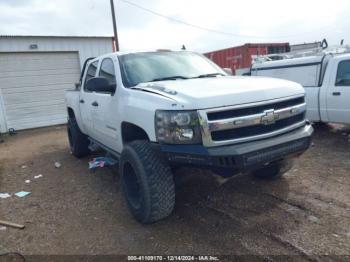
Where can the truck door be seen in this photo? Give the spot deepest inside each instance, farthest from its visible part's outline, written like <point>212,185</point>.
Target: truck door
<point>86,99</point>
<point>338,92</point>
<point>106,118</point>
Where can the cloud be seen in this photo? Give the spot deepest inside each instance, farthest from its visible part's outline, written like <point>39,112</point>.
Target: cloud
<point>64,17</point>
<point>269,20</point>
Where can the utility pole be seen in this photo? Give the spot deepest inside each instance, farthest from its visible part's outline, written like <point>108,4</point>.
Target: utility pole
<point>116,41</point>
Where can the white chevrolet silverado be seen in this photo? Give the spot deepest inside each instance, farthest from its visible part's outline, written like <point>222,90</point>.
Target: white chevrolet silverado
<point>158,110</point>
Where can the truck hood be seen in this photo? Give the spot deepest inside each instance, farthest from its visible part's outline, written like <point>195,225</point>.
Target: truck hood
<point>201,93</point>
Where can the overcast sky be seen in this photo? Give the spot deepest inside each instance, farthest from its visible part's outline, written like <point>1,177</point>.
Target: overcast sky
<point>294,21</point>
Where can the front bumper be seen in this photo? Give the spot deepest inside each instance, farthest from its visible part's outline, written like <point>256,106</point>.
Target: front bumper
<point>244,156</point>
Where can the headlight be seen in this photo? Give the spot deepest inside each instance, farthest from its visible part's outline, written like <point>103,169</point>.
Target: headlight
<point>177,127</point>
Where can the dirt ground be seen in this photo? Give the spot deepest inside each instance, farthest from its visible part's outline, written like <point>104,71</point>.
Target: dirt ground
<point>72,210</point>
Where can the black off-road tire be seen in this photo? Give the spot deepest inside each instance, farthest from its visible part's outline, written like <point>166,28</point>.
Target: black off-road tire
<point>273,170</point>
<point>147,182</point>
<point>78,141</point>
<point>320,125</point>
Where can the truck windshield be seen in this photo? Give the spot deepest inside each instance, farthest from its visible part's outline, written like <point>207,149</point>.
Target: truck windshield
<point>157,66</point>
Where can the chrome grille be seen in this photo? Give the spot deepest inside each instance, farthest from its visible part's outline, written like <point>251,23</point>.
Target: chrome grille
<point>230,125</point>
<point>254,110</point>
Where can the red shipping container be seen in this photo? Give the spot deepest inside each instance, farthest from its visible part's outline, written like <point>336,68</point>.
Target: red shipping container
<point>240,57</point>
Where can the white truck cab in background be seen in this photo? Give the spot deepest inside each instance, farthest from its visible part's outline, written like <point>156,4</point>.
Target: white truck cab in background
<point>324,75</point>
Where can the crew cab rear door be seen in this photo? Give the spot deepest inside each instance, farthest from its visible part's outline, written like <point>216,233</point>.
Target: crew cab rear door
<point>338,91</point>
<point>86,99</point>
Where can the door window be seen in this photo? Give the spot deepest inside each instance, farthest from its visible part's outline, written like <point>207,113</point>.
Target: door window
<point>91,72</point>
<point>107,71</point>
<point>343,74</point>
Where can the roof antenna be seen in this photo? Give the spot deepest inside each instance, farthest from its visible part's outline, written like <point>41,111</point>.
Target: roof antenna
<point>183,47</point>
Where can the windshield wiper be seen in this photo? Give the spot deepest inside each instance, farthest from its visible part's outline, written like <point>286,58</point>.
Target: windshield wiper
<point>168,78</point>
<point>209,75</point>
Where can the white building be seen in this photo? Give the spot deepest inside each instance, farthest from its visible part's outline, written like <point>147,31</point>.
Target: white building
<point>35,71</point>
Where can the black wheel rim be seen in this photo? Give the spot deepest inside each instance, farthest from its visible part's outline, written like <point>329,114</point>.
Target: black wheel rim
<point>132,186</point>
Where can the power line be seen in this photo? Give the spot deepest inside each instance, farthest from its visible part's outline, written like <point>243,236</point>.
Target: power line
<point>201,27</point>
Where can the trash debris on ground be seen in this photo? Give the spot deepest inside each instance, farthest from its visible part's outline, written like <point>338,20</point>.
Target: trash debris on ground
<point>38,176</point>
<point>3,228</point>
<point>27,181</point>
<point>24,166</point>
<point>22,193</point>
<point>220,180</point>
<point>12,131</point>
<point>58,164</point>
<point>102,162</point>
<point>4,195</point>
<point>11,224</point>
<point>337,127</point>
<point>313,219</point>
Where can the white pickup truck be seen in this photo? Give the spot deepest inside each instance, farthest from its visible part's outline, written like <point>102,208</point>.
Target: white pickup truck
<point>325,77</point>
<point>161,109</point>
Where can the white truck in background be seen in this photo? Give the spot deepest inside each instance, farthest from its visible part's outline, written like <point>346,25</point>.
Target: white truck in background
<point>325,75</point>
<point>161,109</point>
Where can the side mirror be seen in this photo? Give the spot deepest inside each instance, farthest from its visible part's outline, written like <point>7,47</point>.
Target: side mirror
<point>228,71</point>
<point>100,85</point>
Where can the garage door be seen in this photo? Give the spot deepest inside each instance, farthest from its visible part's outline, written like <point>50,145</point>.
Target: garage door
<point>32,87</point>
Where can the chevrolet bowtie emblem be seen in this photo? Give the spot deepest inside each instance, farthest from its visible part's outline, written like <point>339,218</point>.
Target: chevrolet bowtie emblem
<point>269,117</point>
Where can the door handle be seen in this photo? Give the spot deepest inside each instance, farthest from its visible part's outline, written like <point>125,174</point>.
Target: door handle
<point>94,103</point>
<point>336,93</point>
<point>81,101</point>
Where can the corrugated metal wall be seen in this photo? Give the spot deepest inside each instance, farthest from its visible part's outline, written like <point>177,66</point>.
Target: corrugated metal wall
<point>33,87</point>
<point>24,63</point>
<point>85,46</point>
